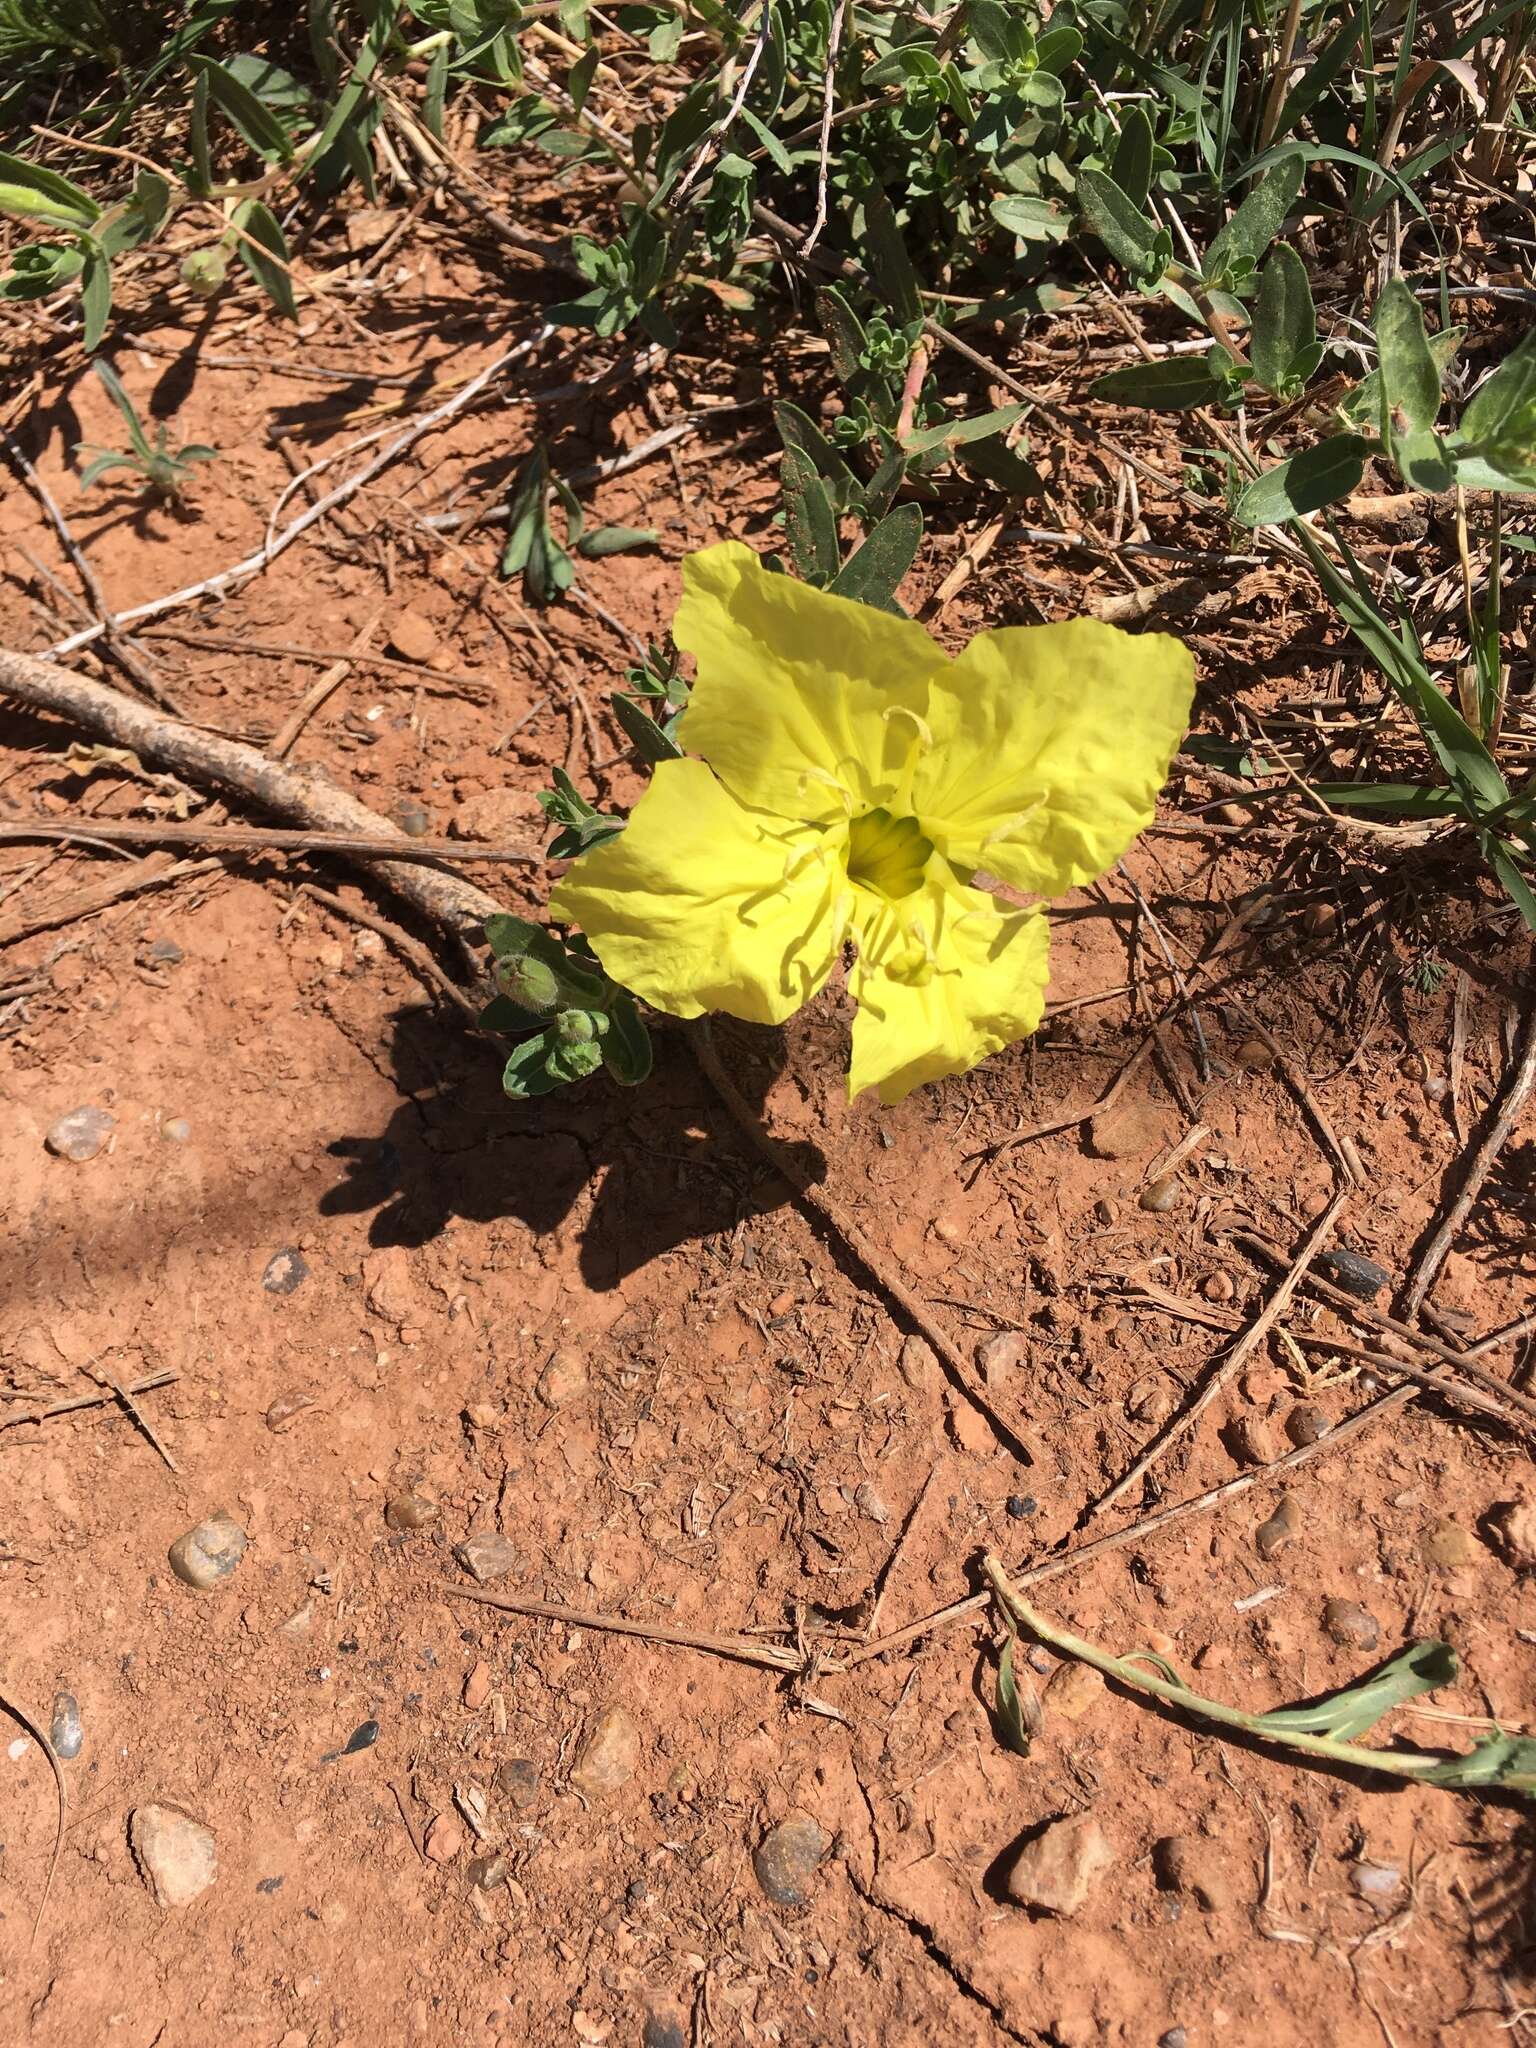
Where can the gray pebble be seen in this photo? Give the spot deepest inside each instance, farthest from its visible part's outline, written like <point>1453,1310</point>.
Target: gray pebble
<point>80,1135</point>
<point>64,1731</point>
<point>663,2030</point>
<point>1174,2038</point>
<point>209,1552</point>
<point>410,1511</point>
<point>1379,1882</point>
<point>1350,1625</point>
<point>517,1780</point>
<point>1358,1276</point>
<point>164,953</point>
<point>486,1555</point>
<point>1306,1424</point>
<point>286,1271</point>
<point>176,1130</point>
<point>412,818</point>
<point>1161,1196</point>
<point>787,1857</point>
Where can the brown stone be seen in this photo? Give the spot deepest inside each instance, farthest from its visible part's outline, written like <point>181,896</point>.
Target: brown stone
<point>177,1854</point>
<point>412,636</point>
<point>1055,1871</point>
<point>787,1858</point>
<point>1073,1691</point>
<point>611,1754</point>
<point>1129,1131</point>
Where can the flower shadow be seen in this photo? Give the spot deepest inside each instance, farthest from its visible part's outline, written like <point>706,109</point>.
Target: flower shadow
<point>624,1174</point>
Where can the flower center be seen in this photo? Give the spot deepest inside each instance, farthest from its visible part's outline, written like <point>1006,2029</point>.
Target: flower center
<point>886,854</point>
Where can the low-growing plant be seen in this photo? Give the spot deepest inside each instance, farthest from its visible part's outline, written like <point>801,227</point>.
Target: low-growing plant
<point>163,471</point>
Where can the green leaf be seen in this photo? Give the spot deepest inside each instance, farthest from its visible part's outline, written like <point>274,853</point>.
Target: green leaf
<point>95,294</point>
<point>616,540</point>
<point>501,1014</point>
<point>1362,405</point>
<point>330,161</point>
<point>1032,220</point>
<point>627,1048</point>
<point>797,429</point>
<point>1501,856</point>
<point>952,434</point>
<point>265,253</point>
<point>1240,244</point>
<point>1397,799</point>
<point>1006,467</point>
<point>201,167</point>
<point>278,90</point>
<point>262,130</point>
<point>1342,1715</point>
<point>1284,321</point>
<point>1118,222</point>
<point>808,520</point>
<point>1131,165</point>
<point>579,81</point>
<point>874,569</point>
<point>1014,1725</point>
<point>1422,462</point>
<point>30,192</point>
<point>642,731</point>
<point>107,460</point>
<point>1410,376</point>
<point>38,268</point>
<point>1316,477</point>
<point>130,226</point>
<point>435,93</point>
<point>1175,384</point>
<point>1504,403</point>
<point>844,331</point>
<point>886,252</point>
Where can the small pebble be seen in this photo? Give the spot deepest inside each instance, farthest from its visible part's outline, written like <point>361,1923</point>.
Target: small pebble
<point>518,1780</point>
<point>1002,1354</point>
<point>285,1272</point>
<point>1248,1439</point>
<point>175,1130</point>
<point>486,1555</point>
<point>1021,1505</point>
<point>787,1858</point>
<point>209,1552</point>
<point>1319,920</point>
<point>1448,1546</point>
<point>164,953</point>
<point>80,1135</point>
<point>1106,1212</point>
<point>64,1731</point>
<point>486,1872</point>
<point>1074,1690</point>
<point>363,1737</point>
<point>1175,2037</point>
<point>176,1854</point>
<point>285,1411</point>
<point>563,1379</point>
<point>413,636</point>
<point>1350,1625</point>
<point>917,1364</point>
<point>663,2030</point>
<point>1220,1287</point>
<point>1378,1882</point>
<point>1161,1196</point>
<point>1056,1869</point>
<point>1355,1275</point>
<point>409,1511</point>
<point>610,1756</point>
<point>477,1687</point>
<point>1128,1131</point>
<point>444,1839</point>
<point>1282,1525</point>
<point>1306,1424</point>
<point>412,818</point>
<point>1254,1056</point>
<point>1515,1526</point>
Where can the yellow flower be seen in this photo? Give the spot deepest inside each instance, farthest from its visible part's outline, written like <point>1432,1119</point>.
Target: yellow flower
<point>852,781</point>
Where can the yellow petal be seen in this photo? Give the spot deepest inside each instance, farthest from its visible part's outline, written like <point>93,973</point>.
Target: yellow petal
<point>690,906</point>
<point>806,705</point>
<point>1050,744</point>
<point>944,978</point>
